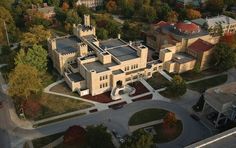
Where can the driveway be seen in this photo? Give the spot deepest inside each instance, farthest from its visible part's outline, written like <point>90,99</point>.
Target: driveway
<point>192,130</point>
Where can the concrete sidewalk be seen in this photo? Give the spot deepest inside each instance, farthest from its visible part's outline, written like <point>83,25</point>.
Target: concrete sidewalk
<point>135,127</point>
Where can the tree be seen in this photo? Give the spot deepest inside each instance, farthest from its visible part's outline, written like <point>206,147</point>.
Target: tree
<point>177,86</point>
<point>193,14</point>
<point>23,81</point>
<point>102,33</point>
<point>75,135</point>
<point>98,137</point>
<point>224,57</point>
<point>139,139</point>
<point>72,18</point>
<point>169,120</point>
<point>172,16</point>
<point>65,6</point>
<point>215,6</point>
<point>35,56</point>
<point>229,39</point>
<point>111,6</point>
<point>37,34</point>
<point>5,16</point>
<point>197,68</point>
<point>31,108</point>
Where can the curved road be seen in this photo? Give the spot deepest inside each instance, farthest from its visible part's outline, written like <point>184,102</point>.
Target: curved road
<point>192,130</point>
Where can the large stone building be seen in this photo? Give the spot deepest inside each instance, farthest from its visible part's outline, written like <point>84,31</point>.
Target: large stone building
<point>181,46</point>
<point>90,3</point>
<point>92,67</point>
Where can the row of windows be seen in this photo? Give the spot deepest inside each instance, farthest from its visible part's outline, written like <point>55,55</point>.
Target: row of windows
<point>103,77</point>
<point>103,85</point>
<point>135,66</point>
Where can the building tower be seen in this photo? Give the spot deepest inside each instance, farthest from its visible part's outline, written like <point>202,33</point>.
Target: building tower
<point>86,20</point>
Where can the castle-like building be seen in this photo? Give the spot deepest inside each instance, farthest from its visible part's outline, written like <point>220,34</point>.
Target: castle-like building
<point>90,66</point>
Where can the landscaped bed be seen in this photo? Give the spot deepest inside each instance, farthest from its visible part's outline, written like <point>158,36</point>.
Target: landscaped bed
<point>101,98</point>
<point>203,85</point>
<point>147,115</point>
<point>167,134</point>
<point>157,81</point>
<point>166,93</point>
<point>147,97</point>
<point>140,88</point>
<point>64,89</point>
<point>40,142</point>
<point>48,105</point>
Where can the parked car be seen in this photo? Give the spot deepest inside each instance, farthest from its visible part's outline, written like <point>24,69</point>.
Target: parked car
<point>117,107</point>
<point>195,117</point>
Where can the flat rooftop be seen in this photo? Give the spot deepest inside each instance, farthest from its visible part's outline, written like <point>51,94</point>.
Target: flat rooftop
<point>119,49</point>
<point>65,45</point>
<point>124,53</point>
<point>116,72</point>
<point>111,43</point>
<point>98,66</point>
<point>220,95</point>
<point>182,58</point>
<point>224,139</point>
<point>76,77</point>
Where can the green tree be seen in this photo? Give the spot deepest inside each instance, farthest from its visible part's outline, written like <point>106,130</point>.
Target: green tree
<point>197,68</point>
<point>177,86</point>
<point>23,81</point>
<point>37,34</point>
<point>98,137</point>
<point>139,139</point>
<point>6,16</point>
<point>215,6</point>
<point>224,57</point>
<point>102,33</point>
<point>35,56</point>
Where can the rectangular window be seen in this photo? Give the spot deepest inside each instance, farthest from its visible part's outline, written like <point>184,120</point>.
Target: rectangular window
<point>100,85</point>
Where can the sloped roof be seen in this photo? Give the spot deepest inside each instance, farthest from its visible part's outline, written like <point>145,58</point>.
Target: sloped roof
<point>201,45</point>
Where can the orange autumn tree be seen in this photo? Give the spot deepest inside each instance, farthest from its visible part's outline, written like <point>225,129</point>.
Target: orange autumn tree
<point>229,39</point>
<point>169,120</point>
<point>65,6</point>
<point>111,6</point>
<point>193,14</point>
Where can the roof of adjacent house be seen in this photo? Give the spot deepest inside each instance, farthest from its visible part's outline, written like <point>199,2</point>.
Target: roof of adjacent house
<point>201,45</point>
<point>187,27</point>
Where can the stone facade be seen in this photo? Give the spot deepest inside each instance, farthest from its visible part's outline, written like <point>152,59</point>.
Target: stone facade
<point>99,66</point>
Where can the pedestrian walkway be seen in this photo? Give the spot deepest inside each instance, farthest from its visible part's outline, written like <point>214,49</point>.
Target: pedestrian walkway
<point>54,143</point>
<point>164,74</point>
<point>136,127</point>
<point>207,77</point>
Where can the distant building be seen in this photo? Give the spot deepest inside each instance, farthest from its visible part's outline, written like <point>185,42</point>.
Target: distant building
<point>46,12</point>
<point>195,3</point>
<point>220,104</point>
<point>90,66</point>
<point>228,24</point>
<point>90,3</point>
<point>181,45</point>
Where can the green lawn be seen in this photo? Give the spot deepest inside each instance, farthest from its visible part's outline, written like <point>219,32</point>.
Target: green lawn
<point>167,94</point>
<point>64,89</point>
<point>191,75</point>
<point>59,119</point>
<point>52,105</point>
<point>147,115</point>
<point>208,83</point>
<point>166,135</point>
<point>40,142</point>
<point>157,81</point>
